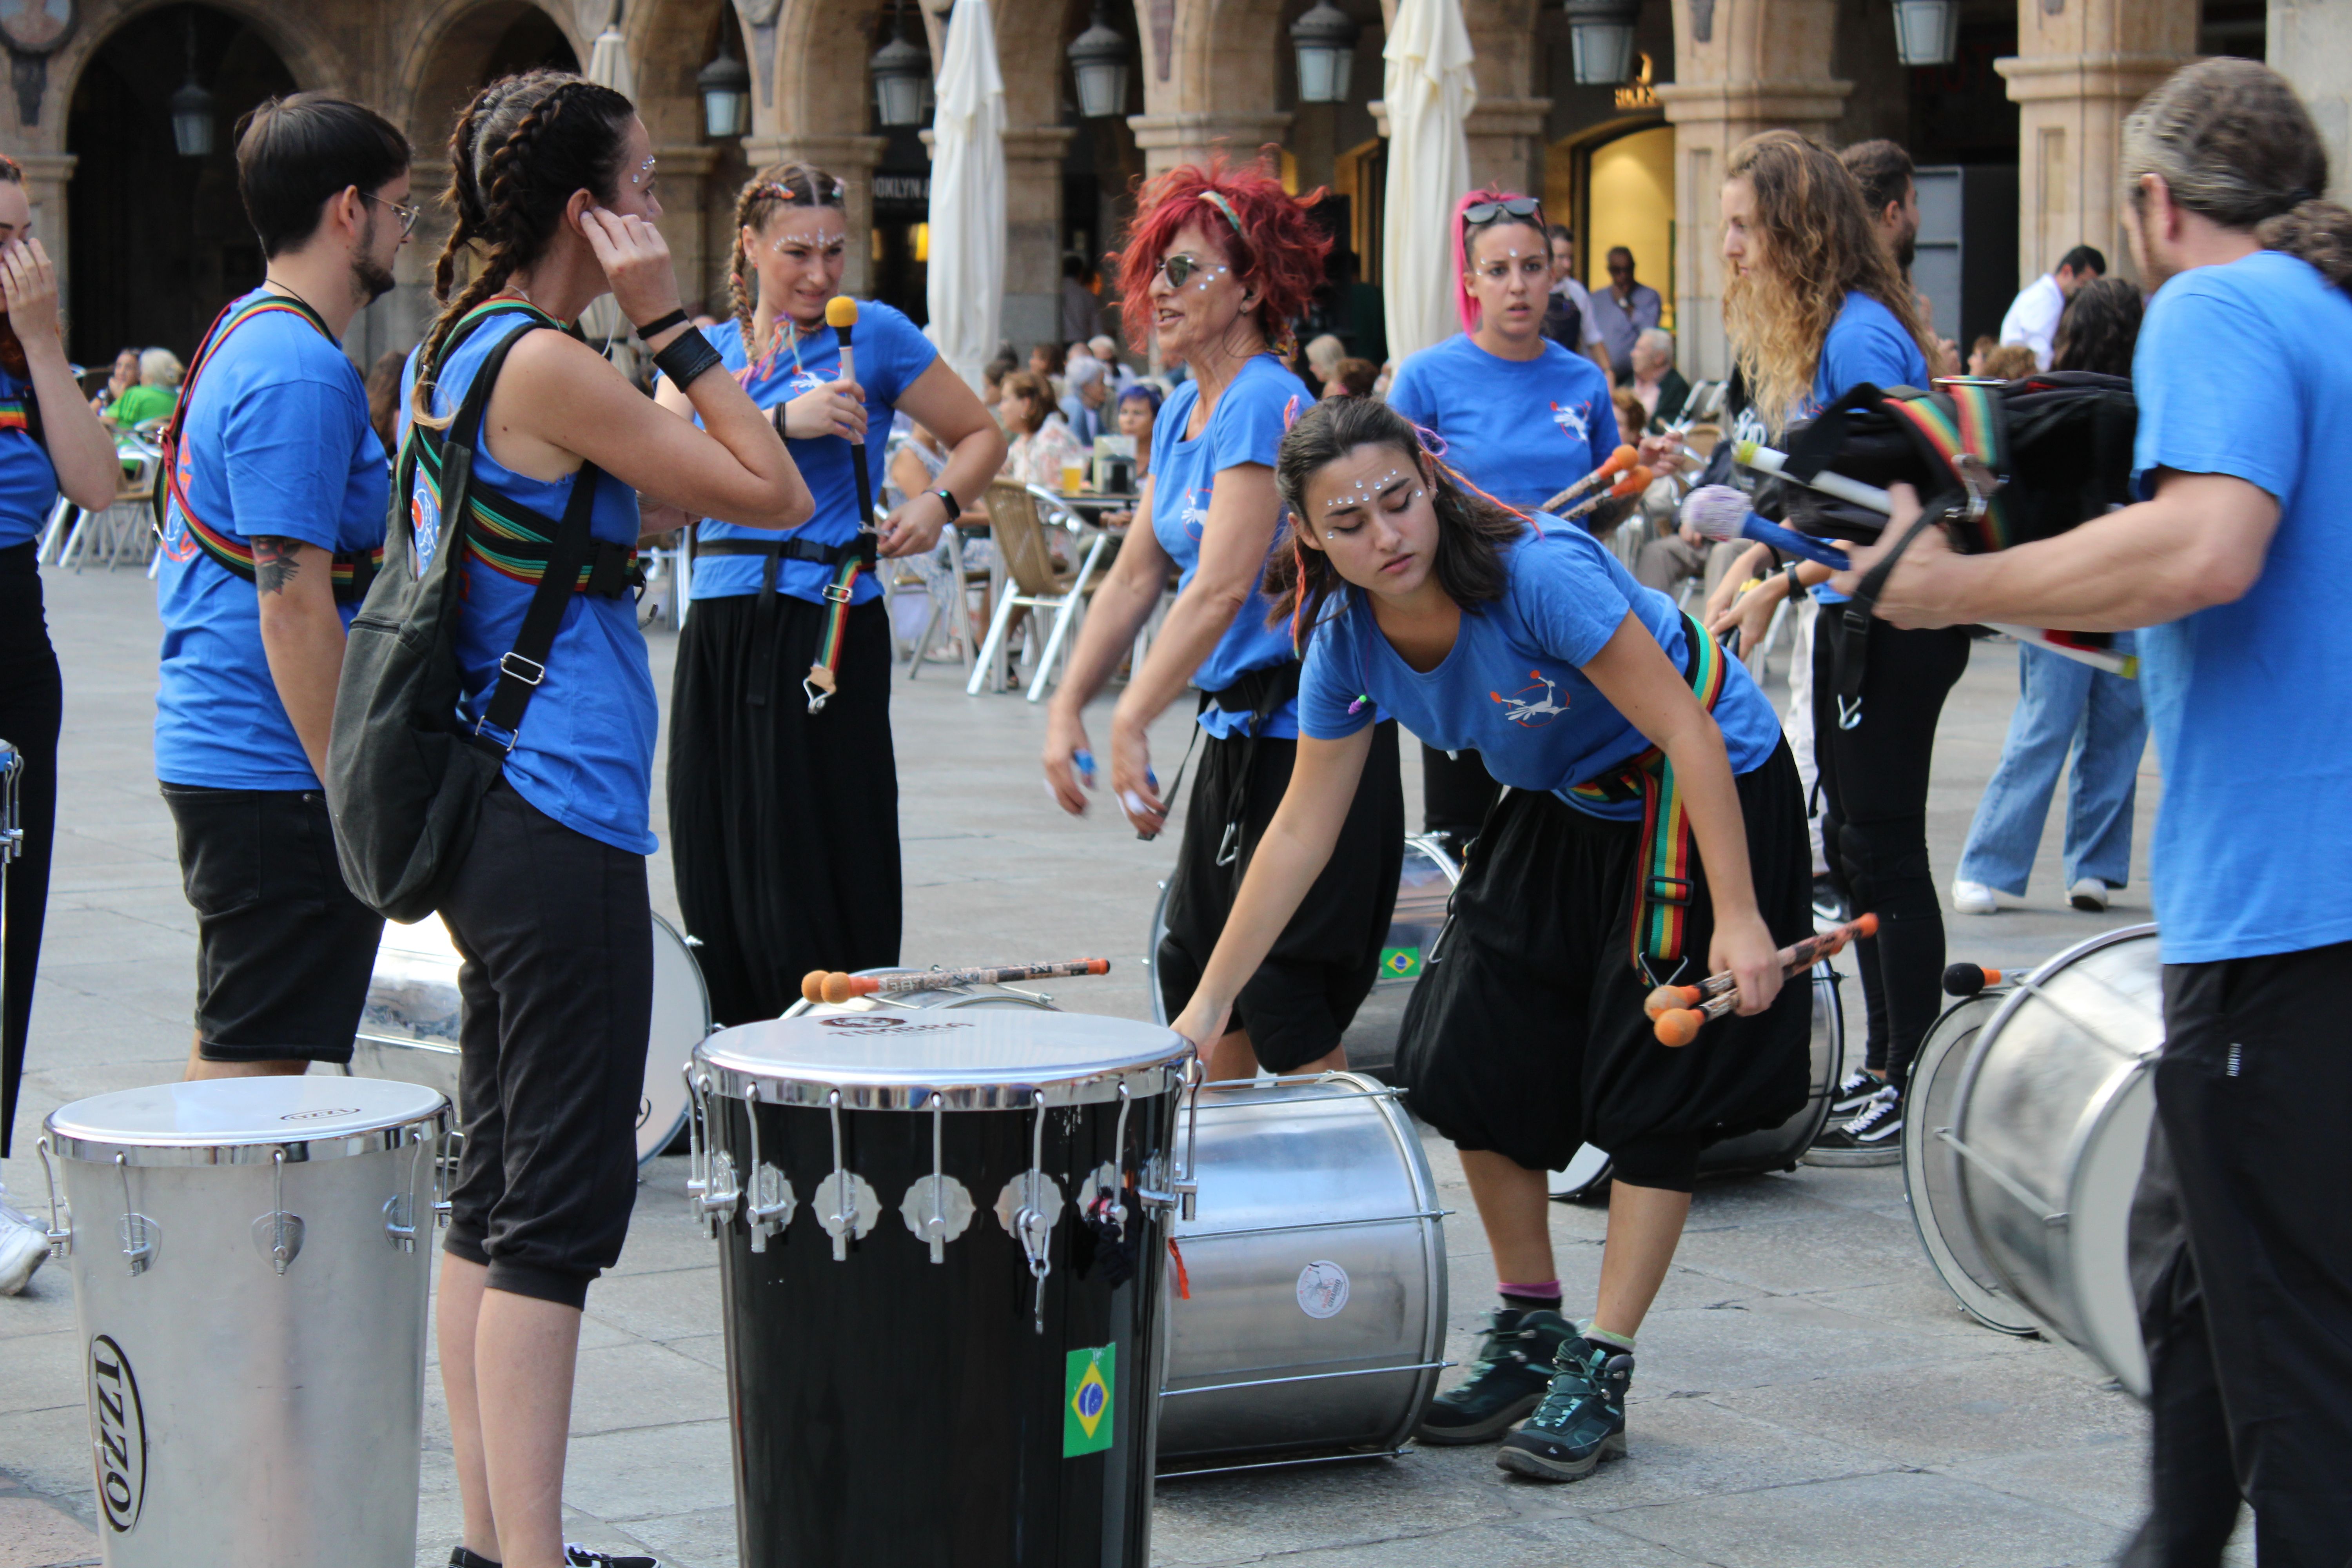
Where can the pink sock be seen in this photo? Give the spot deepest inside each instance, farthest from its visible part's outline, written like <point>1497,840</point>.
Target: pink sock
<point>1542,1292</point>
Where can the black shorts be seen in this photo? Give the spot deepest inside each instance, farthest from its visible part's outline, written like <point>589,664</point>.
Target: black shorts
<point>1305,994</point>
<point>1527,1036</point>
<point>283,950</point>
<point>557,986</point>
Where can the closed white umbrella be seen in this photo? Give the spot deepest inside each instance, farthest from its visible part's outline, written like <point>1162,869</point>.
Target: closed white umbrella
<point>1429,92</point>
<point>965,289</point>
<point>608,65</point>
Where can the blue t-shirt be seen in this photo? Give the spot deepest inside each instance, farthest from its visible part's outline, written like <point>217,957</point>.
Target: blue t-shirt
<point>28,483</point>
<point>276,443</point>
<point>1521,430</point>
<point>1246,426</point>
<point>2246,370</point>
<point>891,352</point>
<point>1512,687</point>
<point>585,752</point>
<point>1866,343</point>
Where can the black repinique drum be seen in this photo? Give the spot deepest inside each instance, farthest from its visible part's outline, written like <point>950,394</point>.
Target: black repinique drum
<point>941,1237</point>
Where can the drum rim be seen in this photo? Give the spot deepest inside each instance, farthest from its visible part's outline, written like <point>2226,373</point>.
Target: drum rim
<point>714,1071</point>
<point>103,1145</point>
<point>2100,1113</point>
<point>1915,1189</point>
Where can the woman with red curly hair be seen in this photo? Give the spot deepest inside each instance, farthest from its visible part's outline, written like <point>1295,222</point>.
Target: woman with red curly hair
<point>1217,264</point>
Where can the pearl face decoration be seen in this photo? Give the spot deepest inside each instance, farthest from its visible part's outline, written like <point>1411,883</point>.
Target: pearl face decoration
<point>823,239</point>
<point>645,173</point>
<point>1364,491</point>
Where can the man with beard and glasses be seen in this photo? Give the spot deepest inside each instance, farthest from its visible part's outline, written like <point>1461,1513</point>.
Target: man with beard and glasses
<point>277,486</point>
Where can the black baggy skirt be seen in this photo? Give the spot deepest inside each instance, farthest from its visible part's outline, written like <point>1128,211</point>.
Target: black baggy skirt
<point>1527,1036</point>
<point>783,824</point>
<point>1305,994</point>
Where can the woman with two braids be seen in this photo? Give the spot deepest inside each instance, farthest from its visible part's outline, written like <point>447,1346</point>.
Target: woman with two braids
<point>783,797</point>
<point>551,187</point>
<point>1216,267</point>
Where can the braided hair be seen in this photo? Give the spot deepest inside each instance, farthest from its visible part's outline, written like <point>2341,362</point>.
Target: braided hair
<point>518,152</point>
<point>766,194</point>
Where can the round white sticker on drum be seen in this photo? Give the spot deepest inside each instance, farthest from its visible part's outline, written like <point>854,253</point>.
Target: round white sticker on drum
<point>1322,1289</point>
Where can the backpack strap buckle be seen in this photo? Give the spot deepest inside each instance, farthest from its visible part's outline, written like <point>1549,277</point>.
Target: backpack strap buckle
<point>529,672</point>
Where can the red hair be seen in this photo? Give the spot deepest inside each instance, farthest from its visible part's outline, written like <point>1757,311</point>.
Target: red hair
<point>1278,248</point>
<point>1464,304</point>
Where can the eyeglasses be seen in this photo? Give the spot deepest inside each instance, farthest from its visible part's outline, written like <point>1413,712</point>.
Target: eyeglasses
<point>1489,212</point>
<point>406,213</point>
<point>1180,266</point>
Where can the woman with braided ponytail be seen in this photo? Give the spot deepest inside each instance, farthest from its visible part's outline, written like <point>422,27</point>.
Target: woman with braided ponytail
<point>552,186</point>
<point>784,789</point>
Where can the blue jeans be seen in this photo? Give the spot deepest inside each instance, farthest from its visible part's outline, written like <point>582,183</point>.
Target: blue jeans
<point>2062,706</point>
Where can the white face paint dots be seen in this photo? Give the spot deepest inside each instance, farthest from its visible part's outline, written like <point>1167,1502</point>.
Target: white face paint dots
<point>823,239</point>
<point>1364,491</point>
<point>645,171</point>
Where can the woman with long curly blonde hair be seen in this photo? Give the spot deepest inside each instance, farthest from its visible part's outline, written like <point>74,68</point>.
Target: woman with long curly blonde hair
<point>1815,305</point>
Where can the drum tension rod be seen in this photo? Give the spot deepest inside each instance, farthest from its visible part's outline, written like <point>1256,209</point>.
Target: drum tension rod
<point>140,1234</point>
<point>60,1237</point>
<point>1035,1225</point>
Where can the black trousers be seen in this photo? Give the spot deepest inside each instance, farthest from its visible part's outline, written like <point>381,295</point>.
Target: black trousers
<point>32,709</point>
<point>1456,792</point>
<point>784,823</point>
<point>2250,1323</point>
<point>557,986</point>
<point>1874,818</point>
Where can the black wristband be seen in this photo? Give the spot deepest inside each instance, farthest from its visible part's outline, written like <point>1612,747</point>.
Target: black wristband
<point>684,358</point>
<point>955,507</point>
<point>660,324</point>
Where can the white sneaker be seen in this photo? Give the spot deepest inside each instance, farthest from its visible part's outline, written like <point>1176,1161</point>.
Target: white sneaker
<point>2089,895</point>
<point>23,1248</point>
<point>1974,899</point>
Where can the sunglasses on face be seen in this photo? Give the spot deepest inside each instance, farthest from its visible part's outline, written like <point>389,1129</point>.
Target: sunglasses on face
<point>1179,267</point>
<point>1489,212</point>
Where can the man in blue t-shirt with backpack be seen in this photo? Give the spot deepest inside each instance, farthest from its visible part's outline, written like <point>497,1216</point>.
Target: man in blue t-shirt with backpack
<point>2243,376</point>
<point>278,488</point>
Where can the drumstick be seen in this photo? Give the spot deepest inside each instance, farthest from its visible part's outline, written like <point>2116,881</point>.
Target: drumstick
<point>837,987</point>
<point>1616,463</point>
<point>1635,481</point>
<point>1680,1026</point>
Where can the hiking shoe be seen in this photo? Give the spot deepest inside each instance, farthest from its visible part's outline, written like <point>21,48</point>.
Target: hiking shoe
<point>1853,1093</point>
<point>2088,895</point>
<point>1871,1136</point>
<point>578,1556</point>
<point>1580,1420</point>
<point>1514,1368</point>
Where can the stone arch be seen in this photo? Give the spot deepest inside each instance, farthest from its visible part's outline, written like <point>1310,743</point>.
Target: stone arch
<point>442,62</point>
<point>309,58</point>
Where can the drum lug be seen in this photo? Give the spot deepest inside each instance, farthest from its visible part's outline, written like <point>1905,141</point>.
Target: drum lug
<point>60,1237</point>
<point>846,1204</point>
<point>717,1203</point>
<point>397,1228</point>
<point>141,1236</point>
<point>1185,1185</point>
<point>769,1208</point>
<point>1029,1207</point>
<point>937,1207</point>
<point>278,1235</point>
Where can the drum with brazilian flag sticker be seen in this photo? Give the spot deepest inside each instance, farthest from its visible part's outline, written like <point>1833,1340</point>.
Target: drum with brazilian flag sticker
<point>941,1236</point>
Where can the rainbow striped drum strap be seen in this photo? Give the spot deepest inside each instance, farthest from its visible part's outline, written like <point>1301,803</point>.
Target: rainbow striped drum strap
<point>822,681</point>
<point>350,572</point>
<point>13,416</point>
<point>1662,884</point>
<point>1972,427</point>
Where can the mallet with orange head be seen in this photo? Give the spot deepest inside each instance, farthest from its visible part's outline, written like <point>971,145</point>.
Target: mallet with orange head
<point>1677,1011</point>
<point>837,987</point>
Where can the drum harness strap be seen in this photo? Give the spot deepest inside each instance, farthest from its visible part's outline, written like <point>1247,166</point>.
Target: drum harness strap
<point>847,561</point>
<point>1962,431</point>
<point>1662,884</point>
<point>1256,692</point>
<point>353,571</point>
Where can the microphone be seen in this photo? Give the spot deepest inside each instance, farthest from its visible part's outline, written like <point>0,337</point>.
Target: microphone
<point>1720,512</point>
<point>1616,463</point>
<point>1969,980</point>
<point>841,315</point>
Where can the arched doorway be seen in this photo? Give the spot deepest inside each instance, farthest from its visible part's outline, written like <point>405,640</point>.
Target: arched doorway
<point>159,241</point>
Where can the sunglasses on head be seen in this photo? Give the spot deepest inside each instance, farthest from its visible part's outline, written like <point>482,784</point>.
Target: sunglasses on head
<point>1480,213</point>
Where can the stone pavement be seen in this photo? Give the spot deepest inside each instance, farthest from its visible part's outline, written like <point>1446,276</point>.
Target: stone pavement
<point>1808,1392</point>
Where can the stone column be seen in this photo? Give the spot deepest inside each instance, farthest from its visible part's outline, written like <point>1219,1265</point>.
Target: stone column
<point>1168,140</point>
<point>1754,64</point>
<point>851,160</point>
<point>2309,42</point>
<point>2076,75</point>
<point>1032,233</point>
<point>1503,134</point>
<point>685,173</point>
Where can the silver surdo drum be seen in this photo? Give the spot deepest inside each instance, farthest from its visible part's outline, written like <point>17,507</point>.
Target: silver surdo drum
<point>1309,1311</point>
<point>1424,888</point>
<point>408,1030</point>
<point>1931,1171</point>
<point>1773,1149</point>
<point>250,1259</point>
<point>2051,1128</point>
<point>949,1223</point>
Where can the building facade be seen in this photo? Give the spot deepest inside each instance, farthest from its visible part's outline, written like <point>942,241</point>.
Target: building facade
<point>153,240</point>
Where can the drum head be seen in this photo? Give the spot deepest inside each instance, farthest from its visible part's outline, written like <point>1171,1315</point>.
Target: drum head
<point>1931,1169</point>
<point>976,1059</point>
<point>681,1020</point>
<point>238,1112</point>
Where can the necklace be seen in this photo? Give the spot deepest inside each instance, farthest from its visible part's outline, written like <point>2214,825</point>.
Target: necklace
<point>291,293</point>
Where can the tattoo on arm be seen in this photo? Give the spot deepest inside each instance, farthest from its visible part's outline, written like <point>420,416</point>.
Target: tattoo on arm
<point>274,564</point>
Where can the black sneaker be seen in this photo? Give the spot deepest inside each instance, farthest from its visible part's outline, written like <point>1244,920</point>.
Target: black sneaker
<point>1580,1420</point>
<point>1872,1135</point>
<point>461,1558</point>
<point>1515,1365</point>
<point>1854,1092</point>
<point>583,1557</point>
